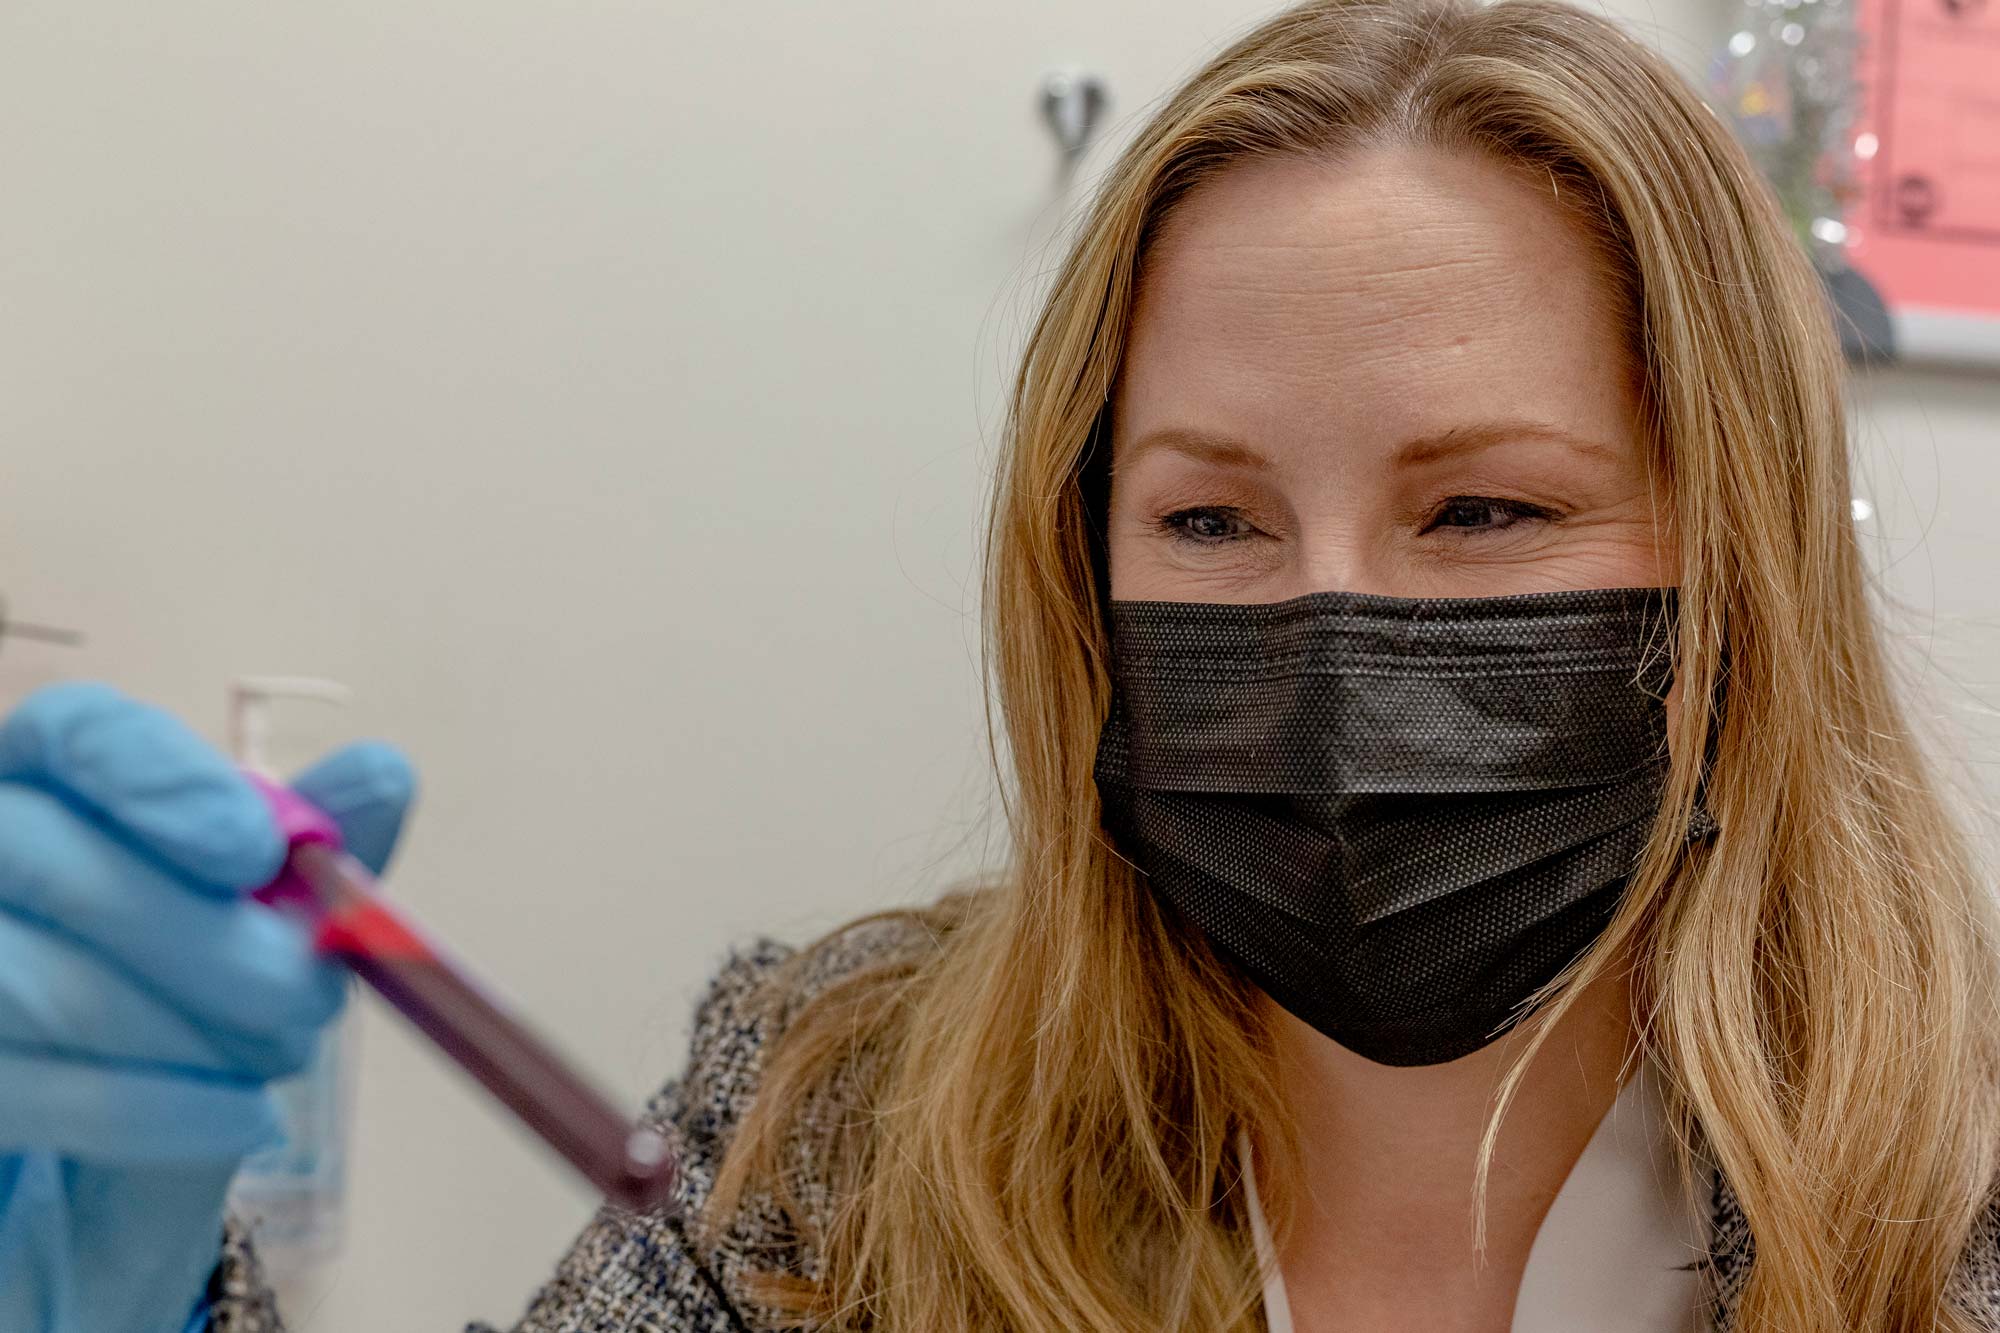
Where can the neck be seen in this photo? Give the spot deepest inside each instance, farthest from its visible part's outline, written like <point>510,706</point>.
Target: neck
<point>1381,1232</point>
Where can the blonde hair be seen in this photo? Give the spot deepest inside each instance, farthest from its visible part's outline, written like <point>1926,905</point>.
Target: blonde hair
<point>1043,1136</point>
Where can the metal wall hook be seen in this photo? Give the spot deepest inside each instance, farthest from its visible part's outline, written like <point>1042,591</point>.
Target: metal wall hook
<point>1073,103</point>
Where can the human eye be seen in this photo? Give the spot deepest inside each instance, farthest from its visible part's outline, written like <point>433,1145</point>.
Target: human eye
<point>1205,525</point>
<point>1469,514</point>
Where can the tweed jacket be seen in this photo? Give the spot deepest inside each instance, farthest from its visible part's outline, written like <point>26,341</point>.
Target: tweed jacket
<point>628,1273</point>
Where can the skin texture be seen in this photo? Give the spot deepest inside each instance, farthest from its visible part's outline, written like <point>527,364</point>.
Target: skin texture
<point>1396,372</point>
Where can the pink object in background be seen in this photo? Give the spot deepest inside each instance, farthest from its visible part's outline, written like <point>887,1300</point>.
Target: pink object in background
<point>1926,228</point>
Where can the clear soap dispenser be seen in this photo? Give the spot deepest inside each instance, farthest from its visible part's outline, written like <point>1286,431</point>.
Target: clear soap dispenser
<point>294,1196</point>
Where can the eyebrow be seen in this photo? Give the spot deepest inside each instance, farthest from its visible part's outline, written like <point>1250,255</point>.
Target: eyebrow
<point>1471,437</point>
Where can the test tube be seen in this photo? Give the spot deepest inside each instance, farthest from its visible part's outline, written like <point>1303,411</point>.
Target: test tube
<point>353,924</point>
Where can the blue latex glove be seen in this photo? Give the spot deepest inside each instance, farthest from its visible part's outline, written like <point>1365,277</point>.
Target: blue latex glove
<point>144,1000</point>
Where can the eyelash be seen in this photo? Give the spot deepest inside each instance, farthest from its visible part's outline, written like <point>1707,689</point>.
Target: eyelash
<point>1174,524</point>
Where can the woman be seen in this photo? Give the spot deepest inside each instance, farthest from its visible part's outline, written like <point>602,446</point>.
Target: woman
<point>1446,725</point>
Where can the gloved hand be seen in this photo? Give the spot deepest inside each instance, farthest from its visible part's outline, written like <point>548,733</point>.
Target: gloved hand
<point>144,1000</point>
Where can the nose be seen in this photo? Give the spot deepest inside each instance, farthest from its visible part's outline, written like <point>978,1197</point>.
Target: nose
<point>1333,558</point>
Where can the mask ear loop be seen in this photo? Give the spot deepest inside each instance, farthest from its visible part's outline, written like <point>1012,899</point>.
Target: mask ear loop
<point>1093,482</point>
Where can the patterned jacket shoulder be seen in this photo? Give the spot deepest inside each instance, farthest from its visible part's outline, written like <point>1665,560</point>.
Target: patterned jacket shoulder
<point>1976,1282</point>
<point>631,1271</point>
<point>1974,1286</point>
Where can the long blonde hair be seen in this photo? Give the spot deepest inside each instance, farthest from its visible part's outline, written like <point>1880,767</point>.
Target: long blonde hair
<point>1044,1137</point>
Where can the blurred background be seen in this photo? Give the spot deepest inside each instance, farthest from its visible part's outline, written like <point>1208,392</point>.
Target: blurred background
<point>604,393</point>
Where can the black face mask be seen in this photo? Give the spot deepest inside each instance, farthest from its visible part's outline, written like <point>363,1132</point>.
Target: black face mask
<point>1399,817</point>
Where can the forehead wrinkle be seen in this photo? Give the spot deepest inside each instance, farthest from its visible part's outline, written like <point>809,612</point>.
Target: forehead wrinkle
<point>1452,315</point>
<point>1234,295</point>
<point>1268,237</point>
<point>1453,250</point>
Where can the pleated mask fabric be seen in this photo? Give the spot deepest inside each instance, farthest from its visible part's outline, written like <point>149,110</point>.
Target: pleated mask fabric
<point>1400,817</point>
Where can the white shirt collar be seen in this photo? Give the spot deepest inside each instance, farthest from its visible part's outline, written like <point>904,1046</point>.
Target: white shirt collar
<point>1615,1253</point>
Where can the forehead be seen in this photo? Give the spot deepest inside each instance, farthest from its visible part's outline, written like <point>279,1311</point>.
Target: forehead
<point>1400,288</point>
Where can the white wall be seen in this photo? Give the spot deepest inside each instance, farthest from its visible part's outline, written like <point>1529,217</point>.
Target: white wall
<point>1927,456</point>
<point>601,390</point>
